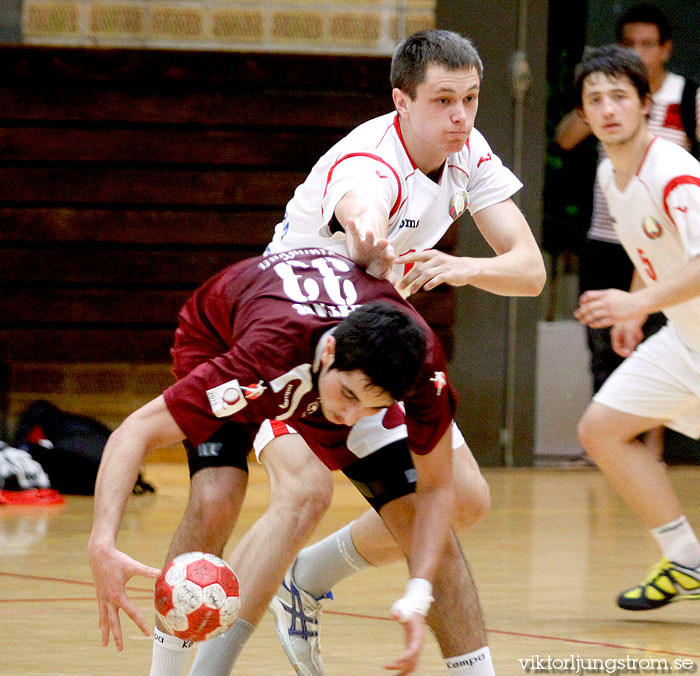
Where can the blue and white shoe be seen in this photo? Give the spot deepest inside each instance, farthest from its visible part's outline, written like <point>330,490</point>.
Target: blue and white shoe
<point>297,615</point>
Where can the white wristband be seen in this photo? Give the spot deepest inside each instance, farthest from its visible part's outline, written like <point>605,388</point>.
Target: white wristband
<point>416,599</point>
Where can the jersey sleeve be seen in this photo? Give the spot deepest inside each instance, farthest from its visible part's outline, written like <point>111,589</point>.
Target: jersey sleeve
<point>682,205</point>
<point>490,182</point>
<point>430,406</point>
<point>214,393</point>
<point>365,172</point>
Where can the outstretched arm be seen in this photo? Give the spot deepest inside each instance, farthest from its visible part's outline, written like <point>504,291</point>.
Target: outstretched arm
<point>152,426</point>
<point>517,269</point>
<point>365,222</point>
<point>431,529</point>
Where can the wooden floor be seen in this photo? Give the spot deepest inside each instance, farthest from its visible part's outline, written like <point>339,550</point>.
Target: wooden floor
<point>549,559</point>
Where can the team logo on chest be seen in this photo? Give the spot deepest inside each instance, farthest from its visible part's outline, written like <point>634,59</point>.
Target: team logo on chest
<point>458,204</point>
<point>294,384</point>
<point>652,228</point>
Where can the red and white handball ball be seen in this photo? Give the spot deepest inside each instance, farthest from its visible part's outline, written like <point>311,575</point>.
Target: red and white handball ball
<point>196,596</point>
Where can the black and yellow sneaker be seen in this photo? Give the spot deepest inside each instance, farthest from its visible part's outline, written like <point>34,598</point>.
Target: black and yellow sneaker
<point>667,582</point>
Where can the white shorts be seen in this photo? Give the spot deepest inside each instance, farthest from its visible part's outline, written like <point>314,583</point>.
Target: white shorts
<point>367,435</point>
<point>661,379</point>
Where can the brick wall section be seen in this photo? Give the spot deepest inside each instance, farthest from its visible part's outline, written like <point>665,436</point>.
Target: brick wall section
<point>362,27</point>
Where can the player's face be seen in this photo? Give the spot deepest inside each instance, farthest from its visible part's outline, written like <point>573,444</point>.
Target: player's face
<point>612,108</point>
<point>644,39</point>
<point>347,396</point>
<point>440,118</point>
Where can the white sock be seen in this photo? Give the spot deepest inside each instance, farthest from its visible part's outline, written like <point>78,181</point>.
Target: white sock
<point>318,567</point>
<point>476,663</point>
<point>217,656</point>
<point>170,654</point>
<point>678,542</point>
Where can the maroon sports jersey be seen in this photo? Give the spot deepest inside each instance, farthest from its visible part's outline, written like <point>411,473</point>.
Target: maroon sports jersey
<point>249,341</point>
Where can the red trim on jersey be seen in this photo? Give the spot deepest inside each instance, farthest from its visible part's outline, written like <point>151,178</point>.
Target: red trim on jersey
<point>397,203</point>
<point>686,179</point>
<point>397,126</point>
<point>646,152</point>
<point>454,166</point>
<point>386,131</point>
<point>278,428</point>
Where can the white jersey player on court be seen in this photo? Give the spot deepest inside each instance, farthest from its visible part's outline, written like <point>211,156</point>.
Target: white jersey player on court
<point>391,187</point>
<point>373,160</point>
<point>653,191</point>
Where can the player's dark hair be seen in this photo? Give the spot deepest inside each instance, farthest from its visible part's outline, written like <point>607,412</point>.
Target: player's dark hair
<point>385,343</point>
<point>614,61</point>
<point>443,48</point>
<point>645,12</point>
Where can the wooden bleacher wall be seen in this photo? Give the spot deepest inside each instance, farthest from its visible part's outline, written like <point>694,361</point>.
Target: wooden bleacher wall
<point>127,177</point>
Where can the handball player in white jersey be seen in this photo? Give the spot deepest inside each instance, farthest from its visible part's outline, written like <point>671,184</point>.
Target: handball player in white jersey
<point>384,196</point>
<point>604,263</point>
<point>652,188</point>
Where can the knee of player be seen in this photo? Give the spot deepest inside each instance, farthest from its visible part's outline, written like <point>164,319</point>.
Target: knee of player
<point>215,508</point>
<point>589,434</point>
<point>472,505</point>
<point>299,484</point>
<point>307,501</point>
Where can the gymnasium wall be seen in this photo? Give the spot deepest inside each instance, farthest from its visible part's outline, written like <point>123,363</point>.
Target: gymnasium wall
<point>128,177</point>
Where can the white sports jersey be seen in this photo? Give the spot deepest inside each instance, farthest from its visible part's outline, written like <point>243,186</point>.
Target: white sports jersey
<point>373,158</point>
<point>665,121</point>
<point>657,218</point>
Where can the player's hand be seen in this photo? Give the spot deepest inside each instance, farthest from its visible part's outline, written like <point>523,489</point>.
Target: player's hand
<point>374,254</point>
<point>414,630</point>
<point>600,309</point>
<point>111,569</point>
<point>430,268</point>
<point>625,337</point>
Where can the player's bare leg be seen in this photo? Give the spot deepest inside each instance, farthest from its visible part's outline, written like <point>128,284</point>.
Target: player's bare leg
<point>365,542</point>
<point>472,501</point>
<point>216,497</point>
<point>455,616</point>
<point>301,488</point>
<point>611,439</point>
<point>654,441</point>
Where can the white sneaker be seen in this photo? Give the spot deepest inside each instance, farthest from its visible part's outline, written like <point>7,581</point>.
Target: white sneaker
<point>297,615</point>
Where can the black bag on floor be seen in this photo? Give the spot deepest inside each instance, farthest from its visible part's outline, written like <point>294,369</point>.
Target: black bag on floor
<point>68,446</point>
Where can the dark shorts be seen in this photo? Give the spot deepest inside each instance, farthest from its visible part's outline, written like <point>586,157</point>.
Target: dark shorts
<point>385,475</point>
<point>228,447</point>
<point>382,476</point>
